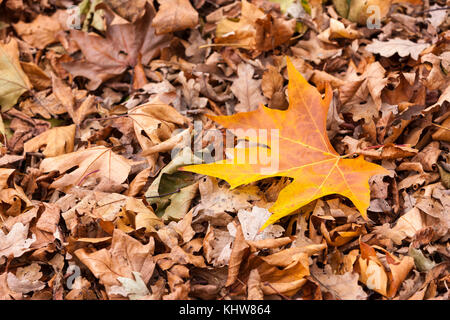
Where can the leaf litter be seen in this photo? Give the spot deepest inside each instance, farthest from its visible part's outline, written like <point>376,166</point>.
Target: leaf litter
<point>104,193</point>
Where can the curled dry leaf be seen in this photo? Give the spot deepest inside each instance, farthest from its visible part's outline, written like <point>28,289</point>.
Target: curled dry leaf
<point>399,271</point>
<point>373,275</point>
<point>154,124</point>
<point>254,286</point>
<point>239,250</point>
<point>4,176</point>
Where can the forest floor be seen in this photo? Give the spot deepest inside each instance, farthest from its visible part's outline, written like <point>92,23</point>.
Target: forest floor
<point>107,111</point>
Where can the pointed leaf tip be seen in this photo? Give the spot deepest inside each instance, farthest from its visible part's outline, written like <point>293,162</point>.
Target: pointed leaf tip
<point>293,73</point>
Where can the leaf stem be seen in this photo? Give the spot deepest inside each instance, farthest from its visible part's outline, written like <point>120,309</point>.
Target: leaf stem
<point>164,194</point>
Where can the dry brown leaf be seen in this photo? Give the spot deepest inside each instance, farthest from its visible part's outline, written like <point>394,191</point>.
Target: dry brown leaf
<point>399,271</point>
<point>16,242</point>
<point>217,201</point>
<point>123,257</point>
<point>174,15</point>
<point>443,133</point>
<point>14,82</point>
<point>255,30</point>
<point>57,141</point>
<point>371,270</point>
<point>130,10</point>
<point>400,46</point>
<point>246,89</point>
<point>26,279</point>
<point>272,82</point>
<point>104,57</point>
<point>344,286</point>
<point>38,78</point>
<point>4,176</point>
<point>239,250</point>
<point>39,33</point>
<point>254,286</point>
<point>98,162</point>
<point>5,292</point>
<point>217,246</point>
<point>49,219</point>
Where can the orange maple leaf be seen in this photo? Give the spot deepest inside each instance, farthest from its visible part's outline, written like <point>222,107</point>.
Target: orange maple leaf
<point>304,153</point>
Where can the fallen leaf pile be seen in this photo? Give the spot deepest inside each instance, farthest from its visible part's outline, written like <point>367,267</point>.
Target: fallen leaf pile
<point>115,184</point>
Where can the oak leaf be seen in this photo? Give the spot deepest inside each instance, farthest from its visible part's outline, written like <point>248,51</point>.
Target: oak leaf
<point>302,151</point>
<point>133,289</point>
<point>26,279</point>
<point>16,242</point>
<point>400,46</point>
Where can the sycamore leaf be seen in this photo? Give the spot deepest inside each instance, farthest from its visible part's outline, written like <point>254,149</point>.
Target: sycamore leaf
<point>13,81</point>
<point>299,149</point>
<point>125,45</point>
